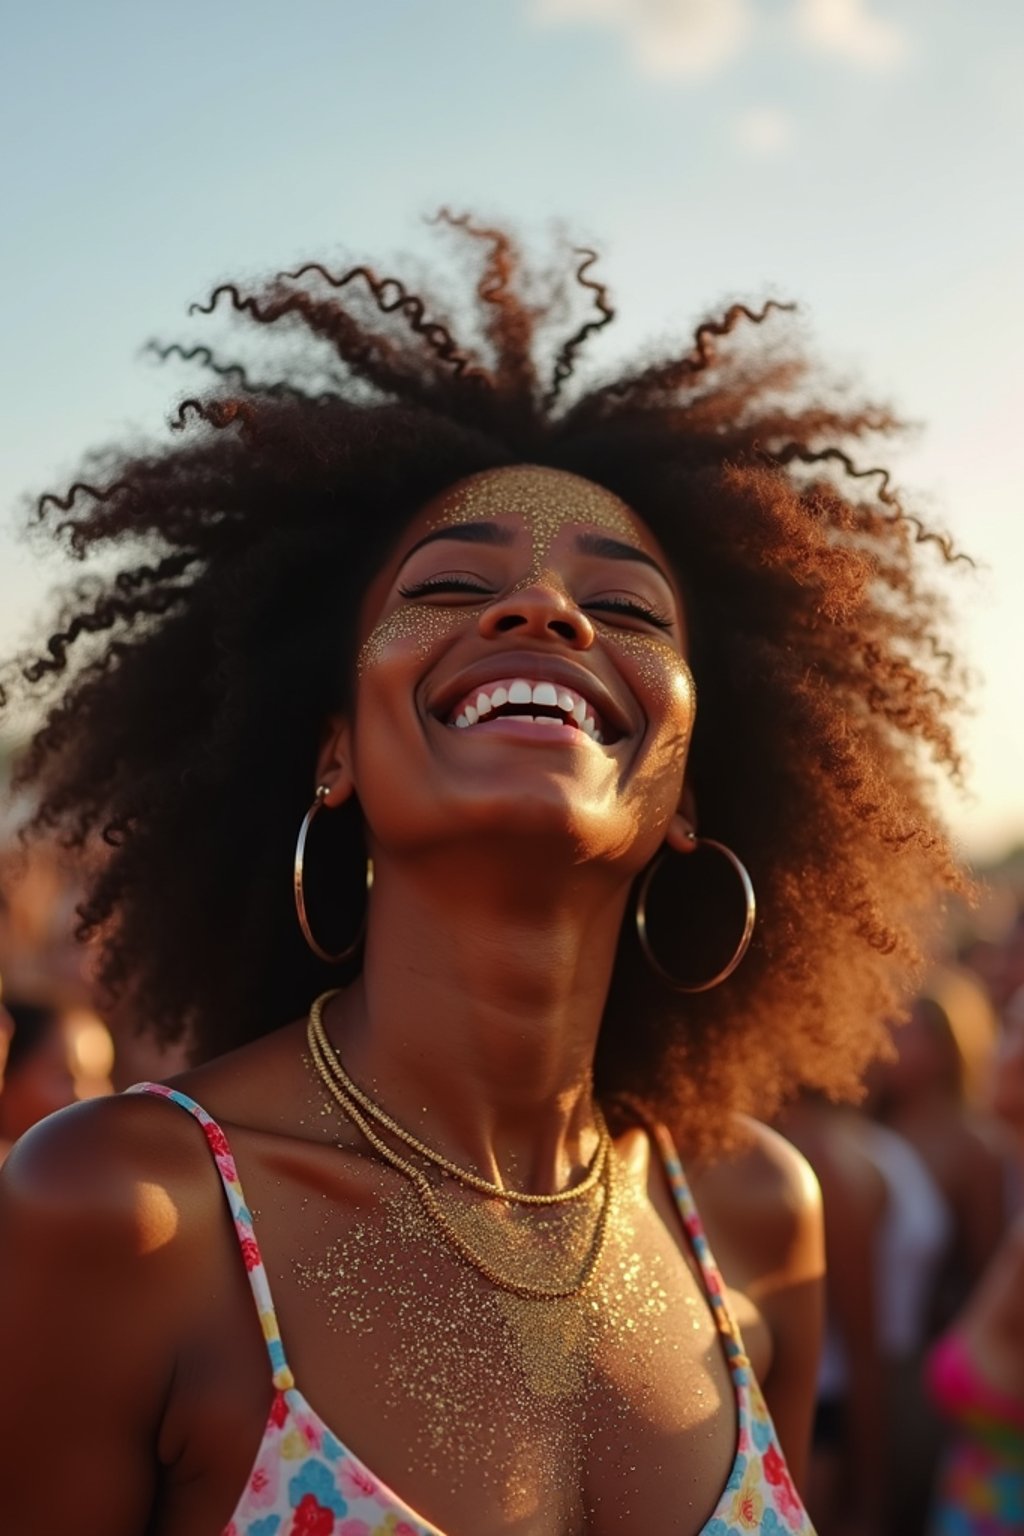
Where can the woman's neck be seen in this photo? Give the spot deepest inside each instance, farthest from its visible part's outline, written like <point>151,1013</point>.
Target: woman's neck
<point>476,1017</point>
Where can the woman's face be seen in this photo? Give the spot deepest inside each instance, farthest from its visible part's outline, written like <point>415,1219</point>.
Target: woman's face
<point>522,674</point>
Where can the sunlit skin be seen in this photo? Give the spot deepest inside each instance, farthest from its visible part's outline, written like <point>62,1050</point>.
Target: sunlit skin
<point>522,837</point>
<point>504,856</point>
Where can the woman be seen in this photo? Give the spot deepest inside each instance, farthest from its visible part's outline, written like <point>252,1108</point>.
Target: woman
<point>976,1371</point>
<point>924,1094</point>
<point>414,603</point>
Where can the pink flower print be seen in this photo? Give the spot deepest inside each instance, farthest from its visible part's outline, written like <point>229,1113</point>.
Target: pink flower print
<point>250,1252</point>
<point>218,1141</point>
<point>354,1528</point>
<point>714,1280</point>
<point>355,1481</point>
<point>264,1483</point>
<point>278,1411</point>
<point>777,1473</point>
<point>313,1518</point>
<point>311,1433</point>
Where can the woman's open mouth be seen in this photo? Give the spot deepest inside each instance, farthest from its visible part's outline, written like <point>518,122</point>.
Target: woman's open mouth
<point>537,701</point>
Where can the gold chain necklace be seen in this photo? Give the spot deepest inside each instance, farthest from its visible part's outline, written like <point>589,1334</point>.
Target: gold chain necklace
<point>595,1168</point>
<point>434,1209</point>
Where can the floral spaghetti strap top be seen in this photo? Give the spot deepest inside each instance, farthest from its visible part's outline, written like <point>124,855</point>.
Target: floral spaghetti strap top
<point>305,1482</point>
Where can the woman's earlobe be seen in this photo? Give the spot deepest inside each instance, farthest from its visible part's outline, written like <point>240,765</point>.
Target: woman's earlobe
<point>334,790</point>
<point>681,835</point>
<point>334,765</point>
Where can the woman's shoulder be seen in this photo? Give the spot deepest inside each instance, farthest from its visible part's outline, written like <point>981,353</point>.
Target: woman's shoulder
<point>104,1175</point>
<point>107,1220</point>
<point>760,1202</point>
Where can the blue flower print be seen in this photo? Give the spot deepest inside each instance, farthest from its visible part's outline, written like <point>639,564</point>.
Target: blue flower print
<point>316,1478</point>
<point>736,1475</point>
<point>761,1430</point>
<point>268,1526</point>
<point>332,1448</point>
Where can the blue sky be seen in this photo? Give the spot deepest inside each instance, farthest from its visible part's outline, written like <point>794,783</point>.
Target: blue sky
<point>862,156</point>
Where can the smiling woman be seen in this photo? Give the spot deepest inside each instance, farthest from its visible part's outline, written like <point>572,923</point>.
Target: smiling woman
<point>548,688</point>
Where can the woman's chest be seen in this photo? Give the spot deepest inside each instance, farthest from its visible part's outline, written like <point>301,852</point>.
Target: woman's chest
<point>609,1409</point>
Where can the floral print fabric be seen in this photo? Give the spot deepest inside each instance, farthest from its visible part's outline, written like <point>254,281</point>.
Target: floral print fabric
<point>306,1483</point>
<point>981,1481</point>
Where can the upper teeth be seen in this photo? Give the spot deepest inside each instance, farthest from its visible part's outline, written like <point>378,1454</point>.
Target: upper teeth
<point>519,690</point>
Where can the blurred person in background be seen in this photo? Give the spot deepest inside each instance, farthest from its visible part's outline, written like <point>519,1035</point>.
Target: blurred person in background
<point>976,1370</point>
<point>847,1473</point>
<point>930,1094</point>
<point>39,1077</point>
<point>946,1203</point>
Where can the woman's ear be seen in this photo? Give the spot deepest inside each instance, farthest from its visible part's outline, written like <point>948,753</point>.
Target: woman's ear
<point>334,762</point>
<point>681,835</point>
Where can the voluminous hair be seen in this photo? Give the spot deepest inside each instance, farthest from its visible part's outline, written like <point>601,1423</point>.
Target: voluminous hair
<point>184,693</point>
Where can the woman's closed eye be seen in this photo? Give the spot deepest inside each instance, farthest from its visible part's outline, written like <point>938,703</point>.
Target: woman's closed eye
<point>453,581</point>
<point>633,607</point>
<point>466,583</point>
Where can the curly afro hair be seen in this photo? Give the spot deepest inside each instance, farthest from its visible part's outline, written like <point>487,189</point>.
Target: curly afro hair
<point>185,692</point>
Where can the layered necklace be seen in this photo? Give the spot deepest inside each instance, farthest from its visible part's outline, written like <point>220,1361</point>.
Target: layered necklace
<point>466,1294</point>
<point>534,1259</point>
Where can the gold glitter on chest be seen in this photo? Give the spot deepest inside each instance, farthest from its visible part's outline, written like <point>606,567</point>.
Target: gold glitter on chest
<point>518,1395</point>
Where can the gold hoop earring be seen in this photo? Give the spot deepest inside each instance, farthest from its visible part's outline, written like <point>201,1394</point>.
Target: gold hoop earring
<point>323,790</point>
<point>748,927</point>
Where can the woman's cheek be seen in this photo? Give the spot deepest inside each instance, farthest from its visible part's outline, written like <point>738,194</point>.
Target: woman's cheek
<point>663,679</point>
<point>410,632</point>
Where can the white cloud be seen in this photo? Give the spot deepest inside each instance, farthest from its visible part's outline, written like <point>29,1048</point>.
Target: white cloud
<point>764,132</point>
<point>689,38</point>
<point>667,38</point>
<point>848,28</point>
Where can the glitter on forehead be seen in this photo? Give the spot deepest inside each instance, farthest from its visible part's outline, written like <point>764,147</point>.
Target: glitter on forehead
<point>545,499</point>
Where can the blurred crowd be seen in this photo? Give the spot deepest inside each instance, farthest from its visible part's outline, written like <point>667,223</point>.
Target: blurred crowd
<point>920,1421</point>
<point>55,1048</point>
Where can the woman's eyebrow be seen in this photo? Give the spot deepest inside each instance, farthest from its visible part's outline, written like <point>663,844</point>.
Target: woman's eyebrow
<point>614,549</point>
<point>466,533</point>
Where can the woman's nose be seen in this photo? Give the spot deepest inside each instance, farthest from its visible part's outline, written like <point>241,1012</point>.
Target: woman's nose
<point>541,611</point>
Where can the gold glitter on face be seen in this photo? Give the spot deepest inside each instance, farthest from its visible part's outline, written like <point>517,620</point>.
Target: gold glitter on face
<point>423,625</point>
<point>545,499</point>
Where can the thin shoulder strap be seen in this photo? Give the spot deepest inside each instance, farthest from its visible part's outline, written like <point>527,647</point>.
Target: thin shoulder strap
<point>242,1218</point>
<point>713,1283</point>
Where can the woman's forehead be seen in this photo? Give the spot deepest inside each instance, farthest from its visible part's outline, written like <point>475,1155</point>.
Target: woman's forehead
<point>545,500</point>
